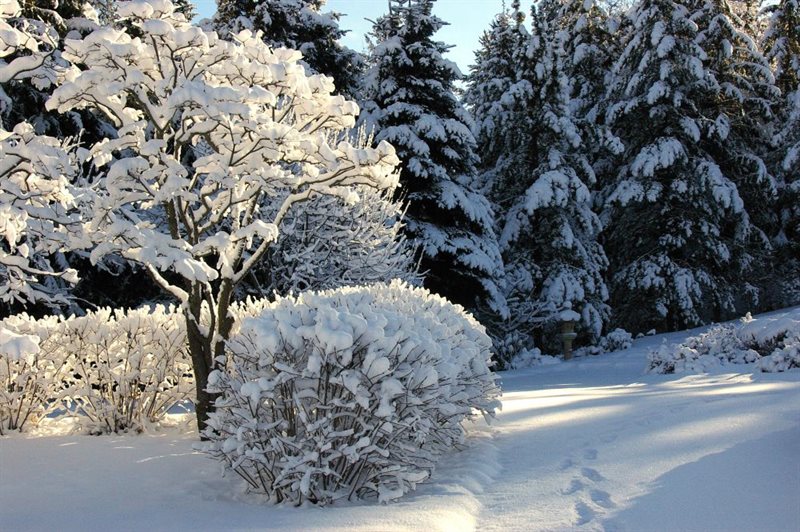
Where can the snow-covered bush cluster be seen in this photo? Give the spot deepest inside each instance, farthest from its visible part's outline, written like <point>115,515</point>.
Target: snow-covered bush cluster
<point>528,358</point>
<point>32,370</point>
<point>616,340</point>
<point>348,393</point>
<point>118,370</point>
<point>772,342</point>
<point>326,243</point>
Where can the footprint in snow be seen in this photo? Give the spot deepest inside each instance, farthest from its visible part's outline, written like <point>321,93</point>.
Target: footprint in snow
<point>602,498</point>
<point>592,474</point>
<point>590,454</point>
<point>566,464</point>
<point>574,487</point>
<point>608,438</point>
<point>585,513</point>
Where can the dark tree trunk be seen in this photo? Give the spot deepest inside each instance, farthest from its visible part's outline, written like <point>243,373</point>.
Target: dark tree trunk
<point>202,365</point>
<point>205,349</point>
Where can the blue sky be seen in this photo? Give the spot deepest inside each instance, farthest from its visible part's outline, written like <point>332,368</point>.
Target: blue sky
<point>467,18</point>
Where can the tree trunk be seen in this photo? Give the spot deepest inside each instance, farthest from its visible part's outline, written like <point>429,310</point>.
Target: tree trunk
<point>205,348</point>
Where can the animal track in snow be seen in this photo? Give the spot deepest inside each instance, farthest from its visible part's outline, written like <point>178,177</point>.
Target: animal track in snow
<point>590,501</point>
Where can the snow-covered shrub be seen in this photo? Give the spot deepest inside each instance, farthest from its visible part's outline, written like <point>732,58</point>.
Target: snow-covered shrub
<point>772,341</point>
<point>348,393</point>
<point>33,370</point>
<point>616,340</point>
<point>786,356</point>
<point>714,348</point>
<point>327,243</point>
<point>528,358</point>
<point>119,369</point>
<point>130,366</point>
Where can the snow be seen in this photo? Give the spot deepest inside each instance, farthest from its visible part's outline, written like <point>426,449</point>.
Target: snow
<point>17,346</point>
<point>588,444</point>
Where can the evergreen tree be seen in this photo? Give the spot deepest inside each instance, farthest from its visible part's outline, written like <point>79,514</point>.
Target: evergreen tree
<point>550,229</point>
<point>541,184</point>
<point>747,96</point>
<point>589,38</point>
<point>495,71</point>
<point>297,24</point>
<point>781,43</point>
<point>411,103</point>
<point>679,237</point>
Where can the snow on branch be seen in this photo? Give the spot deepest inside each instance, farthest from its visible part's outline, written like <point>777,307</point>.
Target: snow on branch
<point>210,133</point>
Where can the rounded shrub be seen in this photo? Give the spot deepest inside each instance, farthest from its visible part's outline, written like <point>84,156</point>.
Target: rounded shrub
<point>349,393</point>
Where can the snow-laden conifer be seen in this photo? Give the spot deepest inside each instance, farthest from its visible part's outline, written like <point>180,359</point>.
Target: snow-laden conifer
<point>298,24</point>
<point>411,103</point>
<point>541,185</point>
<point>210,131</point>
<point>748,95</point>
<point>495,71</point>
<point>781,43</point>
<point>680,238</point>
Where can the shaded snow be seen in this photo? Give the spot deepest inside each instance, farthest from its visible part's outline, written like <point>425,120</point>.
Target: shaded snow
<point>588,444</point>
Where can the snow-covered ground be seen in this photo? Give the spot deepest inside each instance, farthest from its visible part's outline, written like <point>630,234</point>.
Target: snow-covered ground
<point>590,444</point>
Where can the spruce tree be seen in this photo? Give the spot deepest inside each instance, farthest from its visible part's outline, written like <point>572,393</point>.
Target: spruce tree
<point>747,98</point>
<point>297,24</point>
<point>679,237</point>
<point>542,184</point>
<point>781,43</point>
<point>411,103</point>
<point>491,77</point>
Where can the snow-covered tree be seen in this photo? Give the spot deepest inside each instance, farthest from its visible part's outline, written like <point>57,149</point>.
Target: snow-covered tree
<point>590,40</point>
<point>495,71</point>
<point>411,103</point>
<point>298,24</point>
<point>328,243</point>
<point>210,131</point>
<point>28,95</point>
<point>37,215</point>
<point>679,236</point>
<point>745,82</point>
<point>23,101</point>
<point>781,43</point>
<point>541,179</point>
